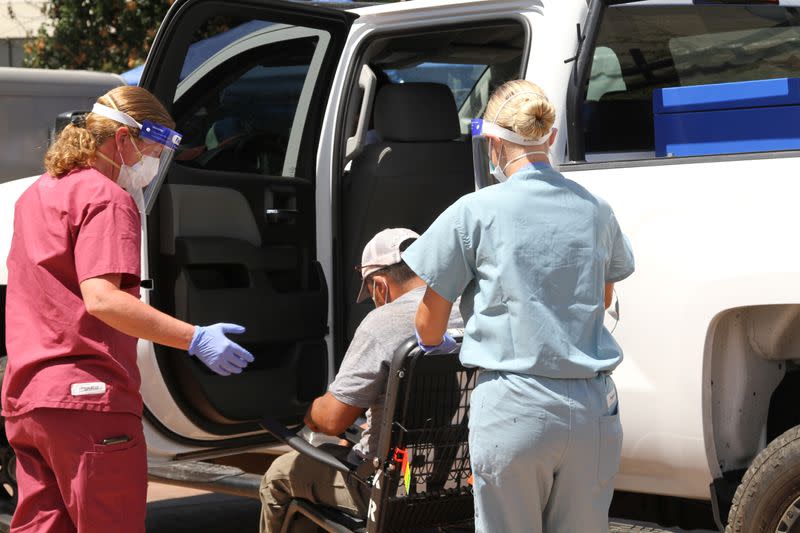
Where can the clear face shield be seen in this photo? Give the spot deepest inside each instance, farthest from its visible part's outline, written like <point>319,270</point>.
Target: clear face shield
<point>156,146</point>
<point>481,156</point>
<point>165,141</point>
<point>483,132</point>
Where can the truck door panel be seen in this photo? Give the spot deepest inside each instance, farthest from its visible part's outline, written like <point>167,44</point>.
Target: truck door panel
<point>233,235</point>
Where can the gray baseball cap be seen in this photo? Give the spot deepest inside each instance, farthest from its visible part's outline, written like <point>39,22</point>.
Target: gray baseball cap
<point>381,251</point>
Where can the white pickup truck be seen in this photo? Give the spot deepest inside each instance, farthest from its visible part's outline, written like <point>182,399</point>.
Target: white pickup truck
<point>309,128</point>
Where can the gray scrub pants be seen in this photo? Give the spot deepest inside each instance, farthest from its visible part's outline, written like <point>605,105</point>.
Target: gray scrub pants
<point>544,453</point>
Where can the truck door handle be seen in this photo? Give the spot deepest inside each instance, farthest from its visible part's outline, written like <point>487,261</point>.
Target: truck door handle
<point>280,216</point>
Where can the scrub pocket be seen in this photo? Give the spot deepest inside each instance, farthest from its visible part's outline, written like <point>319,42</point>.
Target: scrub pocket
<point>114,481</point>
<point>610,448</point>
<point>507,425</point>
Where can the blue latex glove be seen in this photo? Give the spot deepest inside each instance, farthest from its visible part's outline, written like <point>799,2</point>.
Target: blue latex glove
<point>217,351</point>
<point>447,345</point>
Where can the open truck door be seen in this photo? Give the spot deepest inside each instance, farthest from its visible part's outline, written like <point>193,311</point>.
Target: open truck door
<point>232,236</point>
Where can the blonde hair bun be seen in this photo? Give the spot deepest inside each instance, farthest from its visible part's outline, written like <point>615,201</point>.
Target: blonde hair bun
<point>522,107</point>
<point>534,118</point>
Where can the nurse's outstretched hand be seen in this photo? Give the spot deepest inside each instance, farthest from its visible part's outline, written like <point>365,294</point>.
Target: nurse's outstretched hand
<point>217,351</point>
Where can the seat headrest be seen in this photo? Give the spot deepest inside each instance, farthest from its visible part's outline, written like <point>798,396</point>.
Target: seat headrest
<point>201,211</point>
<point>416,112</point>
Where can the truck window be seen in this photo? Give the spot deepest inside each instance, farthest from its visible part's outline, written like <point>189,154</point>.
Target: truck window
<point>460,78</point>
<point>645,47</point>
<point>469,84</point>
<point>246,105</point>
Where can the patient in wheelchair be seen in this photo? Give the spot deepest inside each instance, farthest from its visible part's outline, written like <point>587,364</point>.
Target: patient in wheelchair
<point>359,387</point>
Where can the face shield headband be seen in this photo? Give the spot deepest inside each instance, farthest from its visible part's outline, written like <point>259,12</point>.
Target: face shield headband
<point>482,132</point>
<point>157,142</point>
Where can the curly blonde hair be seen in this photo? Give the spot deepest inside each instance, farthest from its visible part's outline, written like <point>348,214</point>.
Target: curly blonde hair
<point>76,145</point>
<point>527,110</point>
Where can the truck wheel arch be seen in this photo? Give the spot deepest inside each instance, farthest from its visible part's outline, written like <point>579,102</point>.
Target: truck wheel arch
<point>748,364</point>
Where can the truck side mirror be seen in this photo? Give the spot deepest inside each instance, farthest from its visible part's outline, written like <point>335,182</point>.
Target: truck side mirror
<point>62,119</point>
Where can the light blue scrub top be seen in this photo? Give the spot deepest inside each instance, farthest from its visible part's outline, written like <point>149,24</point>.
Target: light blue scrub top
<point>531,257</point>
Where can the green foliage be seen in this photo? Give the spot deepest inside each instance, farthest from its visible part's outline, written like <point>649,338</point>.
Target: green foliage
<point>105,35</point>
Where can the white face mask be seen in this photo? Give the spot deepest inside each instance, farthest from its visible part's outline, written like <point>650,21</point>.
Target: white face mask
<point>139,175</point>
<point>375,292</point>
<point>134,178</point>
<point>499,172</point>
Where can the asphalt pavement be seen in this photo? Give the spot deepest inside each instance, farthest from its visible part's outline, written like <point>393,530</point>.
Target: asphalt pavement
<point>172,509</point>
<point>177,510</point>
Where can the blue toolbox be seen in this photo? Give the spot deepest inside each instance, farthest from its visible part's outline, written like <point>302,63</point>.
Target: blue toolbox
<point>727,118</point>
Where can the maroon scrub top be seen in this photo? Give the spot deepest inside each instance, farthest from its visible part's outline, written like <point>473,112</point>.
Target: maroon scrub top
<point>67,230</point>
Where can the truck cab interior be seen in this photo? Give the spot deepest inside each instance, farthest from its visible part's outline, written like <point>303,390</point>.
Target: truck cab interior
<point>233,238</point>
<point>408,154</point>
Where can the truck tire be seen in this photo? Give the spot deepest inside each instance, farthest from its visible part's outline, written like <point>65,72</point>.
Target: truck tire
<point>768,499</point>
<point>8,464</point>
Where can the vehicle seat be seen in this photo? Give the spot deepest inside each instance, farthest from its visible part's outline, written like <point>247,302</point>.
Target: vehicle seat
<point>419,168</point>
<point>222,272</point>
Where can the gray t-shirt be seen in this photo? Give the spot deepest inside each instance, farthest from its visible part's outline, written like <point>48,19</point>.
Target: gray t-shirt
<point>361,381</point>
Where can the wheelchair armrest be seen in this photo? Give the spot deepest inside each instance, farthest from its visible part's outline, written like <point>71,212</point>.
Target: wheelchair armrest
<point>301,445</point>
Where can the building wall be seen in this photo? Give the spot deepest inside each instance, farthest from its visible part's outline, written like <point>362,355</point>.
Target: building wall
<point>19,20</point>
<point>11,52</point>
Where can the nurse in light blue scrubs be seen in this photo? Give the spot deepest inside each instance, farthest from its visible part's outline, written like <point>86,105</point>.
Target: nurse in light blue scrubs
<point>534,258</point>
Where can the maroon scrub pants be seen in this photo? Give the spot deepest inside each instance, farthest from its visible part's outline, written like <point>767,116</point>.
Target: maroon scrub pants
<point>70,480</point>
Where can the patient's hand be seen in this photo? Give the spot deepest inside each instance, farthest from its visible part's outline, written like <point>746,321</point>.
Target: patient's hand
<point>310,423</point>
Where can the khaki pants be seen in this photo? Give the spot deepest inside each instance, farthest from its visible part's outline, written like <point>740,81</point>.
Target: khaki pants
<point>298,476</point>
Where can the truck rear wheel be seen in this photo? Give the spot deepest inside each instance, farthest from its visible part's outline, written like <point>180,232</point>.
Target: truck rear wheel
<point>768,499</point>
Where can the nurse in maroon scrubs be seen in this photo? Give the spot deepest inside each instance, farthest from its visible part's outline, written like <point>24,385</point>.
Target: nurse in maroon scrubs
<point>71,389</point>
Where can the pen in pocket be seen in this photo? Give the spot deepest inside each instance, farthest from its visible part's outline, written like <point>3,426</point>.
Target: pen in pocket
<point>116,440</point>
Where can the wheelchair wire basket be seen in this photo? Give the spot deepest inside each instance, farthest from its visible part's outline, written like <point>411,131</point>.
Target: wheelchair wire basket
<point>431,482</point>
